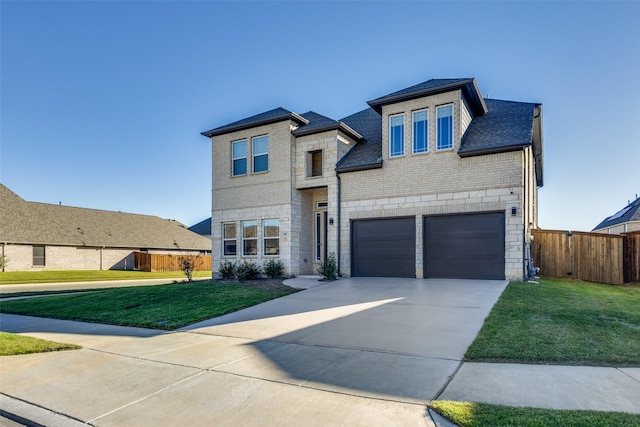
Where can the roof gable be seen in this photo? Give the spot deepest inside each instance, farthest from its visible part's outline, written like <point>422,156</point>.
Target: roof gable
<point>469,88</point>
<point>367,154</point>
<point>272,116</point>
<point>319,123</point>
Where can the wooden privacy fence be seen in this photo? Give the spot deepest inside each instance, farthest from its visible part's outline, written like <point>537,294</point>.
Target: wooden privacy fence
<point>631,262</point>
<point>154,262</point>
<point>593,257</point>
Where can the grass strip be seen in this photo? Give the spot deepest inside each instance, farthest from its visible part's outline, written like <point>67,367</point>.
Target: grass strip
<point>467,414</point>
<point>160,307</point>
<point>563,322</point>
<point>12,344</point>
<point>21,277</point>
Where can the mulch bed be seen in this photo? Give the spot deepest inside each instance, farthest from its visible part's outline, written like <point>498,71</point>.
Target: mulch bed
<point>266,284</point>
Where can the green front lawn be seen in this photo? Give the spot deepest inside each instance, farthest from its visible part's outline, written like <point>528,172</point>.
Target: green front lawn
<point>18,277</point>
<point>467,414</point>
<point>12,344</point>
<point>562,321</point>
<point>160,307</point>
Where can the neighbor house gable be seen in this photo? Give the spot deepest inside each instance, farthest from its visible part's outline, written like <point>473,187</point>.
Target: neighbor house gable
<point>625,220</point>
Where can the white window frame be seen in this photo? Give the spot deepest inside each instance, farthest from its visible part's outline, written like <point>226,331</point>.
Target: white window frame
<point>246,224</point>
<point>413,132</point>
<point>39,260</point>
<point>391,117</point>
<point>233,158</point>
<point>438,127</point>
<point>226,239</point>
<point>265,237</point>
<point>254,154</point>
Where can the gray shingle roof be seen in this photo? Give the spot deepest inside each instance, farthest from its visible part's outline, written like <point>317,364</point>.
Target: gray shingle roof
<point>631,212</point>
<point>367,154</point>
<point>507,124</point>
<point>203,227</point>
<point>319,123</point>
<point>41,223</point>
<point>434,86</point>
<point>272,116</point>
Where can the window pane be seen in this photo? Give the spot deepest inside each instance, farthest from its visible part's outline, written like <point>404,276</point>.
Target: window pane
<point>272,246</point>
<point>249,229</point>
<point>239,149</point>
<point>250,247</point>
<point>38,255</point>
<point>260,145</point>
<point>230,247</point>
<point>396,135</point>
<point>229,231</point>
<point>271,228</point>
<point>445,127</point>
<point>240,167</point>
<point>261,163</point>
<point>316,163</point>
<point>420,131</point>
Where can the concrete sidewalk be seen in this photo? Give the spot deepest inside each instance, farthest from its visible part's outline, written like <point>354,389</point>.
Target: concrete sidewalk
<point>65,286</point>
<point>351,352</point>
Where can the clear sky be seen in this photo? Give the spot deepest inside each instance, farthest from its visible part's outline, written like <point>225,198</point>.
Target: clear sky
<point>102,102</point>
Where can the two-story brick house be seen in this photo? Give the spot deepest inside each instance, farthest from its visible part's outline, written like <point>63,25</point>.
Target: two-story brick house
<point>430,181</point>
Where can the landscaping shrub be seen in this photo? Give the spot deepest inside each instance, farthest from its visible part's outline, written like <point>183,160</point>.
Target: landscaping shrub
<point>329,269</point>
<point>273,268</point>
<point>227,269</point>
<point>247,271</point>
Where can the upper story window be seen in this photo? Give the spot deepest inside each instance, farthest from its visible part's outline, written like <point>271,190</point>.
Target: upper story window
<point>396,135</point>
<point>420,131</point>
<point>444,127</point>
<point>229,242</point>
<point>239,157</point>
<point>260,154</point>
<point>314,163</point>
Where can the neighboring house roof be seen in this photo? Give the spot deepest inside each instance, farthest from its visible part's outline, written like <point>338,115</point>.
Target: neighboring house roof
<point>272,116</point>
<point>629,213</point>
<point>46,224</point>
<point>202,228</point>
<point>432,87</point>
<point>319,123</point>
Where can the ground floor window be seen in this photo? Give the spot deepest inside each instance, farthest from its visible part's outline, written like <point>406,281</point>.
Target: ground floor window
<point>38,256</point>
<point>271,236</point>
<point>249,238</point>
<point>229,239</point>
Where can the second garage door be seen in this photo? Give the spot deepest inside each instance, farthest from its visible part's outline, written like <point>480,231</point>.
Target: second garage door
<point>467,246</point>
<point>383,247</point>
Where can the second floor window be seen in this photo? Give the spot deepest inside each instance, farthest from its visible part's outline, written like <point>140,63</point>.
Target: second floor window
<point>445,127</point>
<point>261,154</point>
<point>396,135</point>
<point>421,131</point>
<point>239,157</point>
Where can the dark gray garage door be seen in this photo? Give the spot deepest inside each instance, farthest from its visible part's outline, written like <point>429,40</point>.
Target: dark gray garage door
<point>464,246</point>
<point>383,247</point>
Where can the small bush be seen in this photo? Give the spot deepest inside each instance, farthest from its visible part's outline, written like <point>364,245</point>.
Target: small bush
<point>227,269</point>
<point>188,264</point>
<point>247,271</point>
<point>273,268</point>
<point>329,269</point>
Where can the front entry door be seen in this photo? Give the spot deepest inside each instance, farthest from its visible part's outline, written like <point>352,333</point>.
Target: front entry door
<point>320,240</point>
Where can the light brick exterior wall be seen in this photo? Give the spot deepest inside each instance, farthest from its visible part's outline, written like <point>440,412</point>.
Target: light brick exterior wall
<point>69,258</point>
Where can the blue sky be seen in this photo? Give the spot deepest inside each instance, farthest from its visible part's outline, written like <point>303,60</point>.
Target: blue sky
<point>102,102</point>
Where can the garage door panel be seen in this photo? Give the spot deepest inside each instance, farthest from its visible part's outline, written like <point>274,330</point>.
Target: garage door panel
<point>464,246</point>
<point>383,247</point>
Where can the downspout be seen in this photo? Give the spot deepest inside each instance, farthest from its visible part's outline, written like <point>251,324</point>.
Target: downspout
<point>339,219</point>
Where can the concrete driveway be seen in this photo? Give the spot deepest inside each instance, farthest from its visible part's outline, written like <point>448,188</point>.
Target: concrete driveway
<point>351,352</point>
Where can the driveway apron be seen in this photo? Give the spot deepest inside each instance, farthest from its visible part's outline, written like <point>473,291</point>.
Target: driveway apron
<point>352,352</point>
